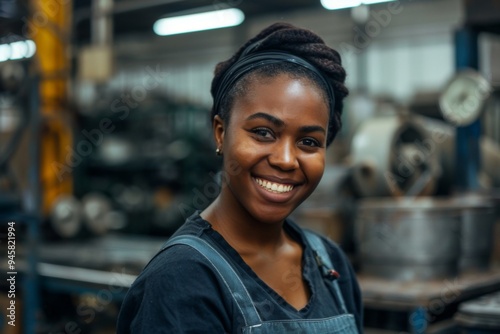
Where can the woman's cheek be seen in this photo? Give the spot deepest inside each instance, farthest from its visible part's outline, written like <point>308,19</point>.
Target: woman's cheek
<point>315,166</point>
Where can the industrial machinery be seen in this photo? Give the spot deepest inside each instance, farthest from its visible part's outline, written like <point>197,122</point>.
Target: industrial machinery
<point>110,177</point>
<point>149,167</point>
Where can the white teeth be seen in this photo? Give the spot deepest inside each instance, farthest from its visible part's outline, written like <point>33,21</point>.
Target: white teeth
<point>274,187</point>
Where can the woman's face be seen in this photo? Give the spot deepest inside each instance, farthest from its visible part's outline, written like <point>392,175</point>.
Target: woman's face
<point>274,146</point>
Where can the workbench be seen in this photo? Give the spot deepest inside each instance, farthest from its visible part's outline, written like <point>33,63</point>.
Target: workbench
<point>421,306</point>
<point>102,266</point>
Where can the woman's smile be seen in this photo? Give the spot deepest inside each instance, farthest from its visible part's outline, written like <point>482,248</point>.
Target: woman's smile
<point>273,191</point>
<point>277,188</point>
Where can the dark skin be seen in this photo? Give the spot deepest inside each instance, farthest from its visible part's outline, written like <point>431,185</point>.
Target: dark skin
<point>274,157</point>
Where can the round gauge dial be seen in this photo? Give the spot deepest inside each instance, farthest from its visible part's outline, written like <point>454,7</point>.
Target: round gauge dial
<point>463,99</point>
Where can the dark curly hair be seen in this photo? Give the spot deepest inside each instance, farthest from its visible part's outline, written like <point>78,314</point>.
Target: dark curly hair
<point>300,42</point>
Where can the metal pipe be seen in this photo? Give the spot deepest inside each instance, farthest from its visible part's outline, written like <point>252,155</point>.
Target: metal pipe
<point>467,152</point>
<point>101,22</point>
<point>56,137</point>
<point>85,275</point>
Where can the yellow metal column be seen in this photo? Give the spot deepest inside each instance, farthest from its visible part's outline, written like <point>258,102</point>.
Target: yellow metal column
<point>50,28</point>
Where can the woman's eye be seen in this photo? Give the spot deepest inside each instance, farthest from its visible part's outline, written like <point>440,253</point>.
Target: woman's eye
<point>310,142</point>
<point>265,133</point>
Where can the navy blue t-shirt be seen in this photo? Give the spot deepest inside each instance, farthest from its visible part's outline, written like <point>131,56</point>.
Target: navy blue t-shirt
<point>180,292</point>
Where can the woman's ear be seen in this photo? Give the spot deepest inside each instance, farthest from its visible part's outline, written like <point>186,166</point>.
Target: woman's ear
<point>219,130</point>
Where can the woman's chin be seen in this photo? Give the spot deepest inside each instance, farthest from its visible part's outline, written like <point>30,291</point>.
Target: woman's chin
<point>271,215</point>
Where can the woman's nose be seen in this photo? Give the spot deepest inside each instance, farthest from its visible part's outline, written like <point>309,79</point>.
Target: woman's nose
<point>283,155</point>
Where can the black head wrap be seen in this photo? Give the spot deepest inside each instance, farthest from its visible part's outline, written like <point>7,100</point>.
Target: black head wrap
<point>249,61</point>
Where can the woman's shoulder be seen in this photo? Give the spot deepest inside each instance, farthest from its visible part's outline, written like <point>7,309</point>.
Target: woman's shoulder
<point>176,281</point>
<point>175,259</point>
<point>180,260</point>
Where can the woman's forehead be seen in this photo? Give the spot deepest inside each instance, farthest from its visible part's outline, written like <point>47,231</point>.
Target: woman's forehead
<point>259,83</point>
<point>284,97</point>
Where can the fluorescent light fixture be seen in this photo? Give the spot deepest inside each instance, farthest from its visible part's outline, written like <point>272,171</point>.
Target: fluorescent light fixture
<point>4,52</point>
<point>339,4</point>
<point>31,48</point>
<point>17,50</point>
<point>196,22</point>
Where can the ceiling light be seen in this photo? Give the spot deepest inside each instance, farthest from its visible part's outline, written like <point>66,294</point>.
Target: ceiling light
<point>4,52</point>
<point>31,48</point>
<point>196,22</point>
<point>17,50</point>
<point>339,4</point>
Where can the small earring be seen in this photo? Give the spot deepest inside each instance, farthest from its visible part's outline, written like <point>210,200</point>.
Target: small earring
<point>218,152</point>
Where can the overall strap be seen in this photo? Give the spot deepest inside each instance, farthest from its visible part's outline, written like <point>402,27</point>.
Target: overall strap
<point>226,272</point>
<point>318,246</point>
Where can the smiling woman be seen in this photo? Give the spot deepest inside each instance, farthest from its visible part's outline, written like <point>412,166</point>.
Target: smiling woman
<point>277,135</point>
<point>241,266</point>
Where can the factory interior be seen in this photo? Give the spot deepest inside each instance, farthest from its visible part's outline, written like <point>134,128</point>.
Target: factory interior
<point>106,148</point>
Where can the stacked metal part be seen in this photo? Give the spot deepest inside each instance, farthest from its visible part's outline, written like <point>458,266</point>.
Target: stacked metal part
<point>411,223</point>
<point>424,238</point>
<point>480,315</point>
<point>93,215</point>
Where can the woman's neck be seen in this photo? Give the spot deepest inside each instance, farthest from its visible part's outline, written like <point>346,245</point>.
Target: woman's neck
<point>240,229</point>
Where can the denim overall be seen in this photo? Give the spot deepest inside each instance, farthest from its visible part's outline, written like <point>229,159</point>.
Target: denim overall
<point>343,323</point>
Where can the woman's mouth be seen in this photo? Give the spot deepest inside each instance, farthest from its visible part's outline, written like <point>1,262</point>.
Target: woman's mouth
<point>273,187</point>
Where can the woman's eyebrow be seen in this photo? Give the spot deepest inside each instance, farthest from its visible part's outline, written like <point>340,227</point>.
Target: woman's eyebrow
<point>276,121</point>
<point>312,128</point>
<point>279,123</point>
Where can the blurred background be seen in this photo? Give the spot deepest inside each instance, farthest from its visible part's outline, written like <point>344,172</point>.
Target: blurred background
<point>106,148</point>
